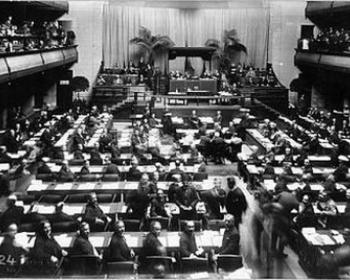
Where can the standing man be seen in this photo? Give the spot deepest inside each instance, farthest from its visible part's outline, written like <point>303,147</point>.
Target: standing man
<point>236,203</point>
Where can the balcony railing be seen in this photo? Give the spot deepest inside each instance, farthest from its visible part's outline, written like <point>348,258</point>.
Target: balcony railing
<point>20,64</point>
<point>323,60</point>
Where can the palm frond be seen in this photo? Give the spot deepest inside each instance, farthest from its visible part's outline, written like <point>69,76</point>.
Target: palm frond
<point>238,48</point>
<point>214,43</point>
<point>145,33</point>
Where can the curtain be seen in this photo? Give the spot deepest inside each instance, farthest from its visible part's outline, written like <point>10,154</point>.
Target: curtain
<point>192,26</point>
<point>286,20</point>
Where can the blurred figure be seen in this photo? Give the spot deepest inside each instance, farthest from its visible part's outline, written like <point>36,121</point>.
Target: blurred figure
<point>12,251</point>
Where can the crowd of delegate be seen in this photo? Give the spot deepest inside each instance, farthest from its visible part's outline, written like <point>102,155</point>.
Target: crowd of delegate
<point>298,173</point>
<point>29,35</point>
<point>182,204</point>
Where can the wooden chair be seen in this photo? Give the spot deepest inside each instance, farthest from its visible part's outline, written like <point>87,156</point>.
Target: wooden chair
<point>83,265</point>
<point>229,262</point>
<point>117,268</point>
<point>192,265</point>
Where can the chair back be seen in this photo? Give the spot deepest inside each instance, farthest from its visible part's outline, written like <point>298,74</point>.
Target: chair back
<point>63,227</point>
<point>192,265</point>
<point>153,264</point>
<point>51,198</point>
<point>229,262</point>
<point>89,177</point>
<point>200,176</point>
<point>76,162</point>
<point>45,177</point>
<point>115,268</point>
<point>83,265</point>
<point>111,177</point>
<point>131,224</point>
<point>215,224</point>
<point>76,198</point>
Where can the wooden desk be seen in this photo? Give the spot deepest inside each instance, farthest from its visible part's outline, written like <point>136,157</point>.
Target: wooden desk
<point>206,239</point>
<point>39,188</point>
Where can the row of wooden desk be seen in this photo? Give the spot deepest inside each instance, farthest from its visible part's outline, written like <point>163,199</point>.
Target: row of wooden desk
<point>171,240</point>
<point>38,187</point>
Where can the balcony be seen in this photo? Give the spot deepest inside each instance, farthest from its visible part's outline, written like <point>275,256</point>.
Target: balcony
<point>20,64</point>
<point>338,62</point>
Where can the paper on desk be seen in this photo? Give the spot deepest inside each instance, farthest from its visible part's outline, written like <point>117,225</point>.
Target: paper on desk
<point>241,273</point>
<point>199,275</point>
<point>308,230</point>
<point>339,238</point>
<point>64,240</point>
<point>97,241</point>
<point>64,186</point>
<point>131,240</point>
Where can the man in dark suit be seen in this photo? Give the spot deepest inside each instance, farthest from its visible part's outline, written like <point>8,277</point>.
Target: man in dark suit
<point>93,214</point>
<point>110,168</point>
<point>236,202</point>
<point>134,173</point>
<point>152,245</point>
<point>65,174</point>
<point>230,240</point>
<point>78,140</point>
<point>186,197</point>
<point>175,171</point>
<point>95,156</point>
<point>214,198</point>
<point>82,244</point>
<point>118,250</point>
<point>13,214</point>
<point>85,169</point>
<point>188,244</point>
<point>59,215</point>
<point>12,251</point>
<point>43,168</point>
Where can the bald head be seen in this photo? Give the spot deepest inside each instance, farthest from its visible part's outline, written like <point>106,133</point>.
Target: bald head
<point>189,228</point>
<point>156,228</point>
<point>229,221</point>
<point>12,230</point>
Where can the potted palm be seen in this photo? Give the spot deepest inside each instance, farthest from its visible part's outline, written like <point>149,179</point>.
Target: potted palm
<point>229,51</point>
<point>153,48</point>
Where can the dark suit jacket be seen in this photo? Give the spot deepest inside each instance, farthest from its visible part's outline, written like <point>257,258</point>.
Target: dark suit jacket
<point>111,169</point>
<point>13,214</point>
<point>44,248</point>
<point>236,203</point>
<point>92,212</point>
<point>82,246</point>
<point>118,250</point>
<point>188,244</point>
<point>230,242</point>
<point>152,246</point>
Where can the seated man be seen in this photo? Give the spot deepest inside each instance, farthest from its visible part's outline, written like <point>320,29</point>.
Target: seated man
<point>95,156</point>
<point>138,201</point>
<point>59,215</point>
<point>110,167</point>
<point>43,168</point>
<point>176,170</point>
<point>78,140</point>
<point>327,208</point>
<point>13,252</point>
<point>186,197</point>
<point>134,173</point>
<point>188,244</point>
<point>194,120</point>
<point>231,238</point>
<point>78,153</point>
<point>306,214</point>
<point>93,214</point>
<point>82,244</point>
<point>151,244</point>
<point>65,174</point>
<point>214,198</point>
<point>13,214</point>
<point>118,249</point>
<point>85,168</point>
<point>157,206</point>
